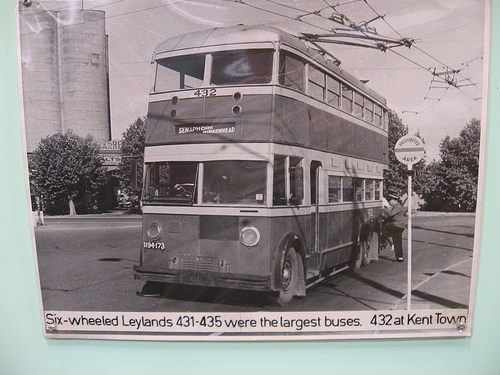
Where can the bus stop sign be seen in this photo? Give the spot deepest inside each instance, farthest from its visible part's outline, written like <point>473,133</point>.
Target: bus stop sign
<point>409,149</point>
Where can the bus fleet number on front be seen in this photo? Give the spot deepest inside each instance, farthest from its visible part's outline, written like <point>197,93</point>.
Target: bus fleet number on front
<point>205,92</point>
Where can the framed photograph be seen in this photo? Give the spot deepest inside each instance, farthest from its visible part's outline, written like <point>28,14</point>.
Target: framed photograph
<point>254,169</point>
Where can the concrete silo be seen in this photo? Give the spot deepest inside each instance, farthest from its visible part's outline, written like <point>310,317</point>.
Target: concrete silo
<point>40,72</point>
<point>65,73</point>
<point>84,73</point>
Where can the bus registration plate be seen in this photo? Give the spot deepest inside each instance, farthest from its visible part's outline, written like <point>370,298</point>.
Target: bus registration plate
<point>153,245</point>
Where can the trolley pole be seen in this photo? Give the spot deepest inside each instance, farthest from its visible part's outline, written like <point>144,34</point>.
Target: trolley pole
<point>409,150</point>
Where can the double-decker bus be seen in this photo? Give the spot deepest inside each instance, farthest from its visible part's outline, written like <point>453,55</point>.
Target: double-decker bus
<point>263,164</point>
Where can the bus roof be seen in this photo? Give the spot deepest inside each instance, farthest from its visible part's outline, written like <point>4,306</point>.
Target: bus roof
<point>257,34</point>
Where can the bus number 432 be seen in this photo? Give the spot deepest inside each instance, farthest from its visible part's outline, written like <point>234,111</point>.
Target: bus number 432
<point>205,92</point>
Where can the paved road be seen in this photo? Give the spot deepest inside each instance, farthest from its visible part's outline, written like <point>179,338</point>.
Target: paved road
<point>85,264</point>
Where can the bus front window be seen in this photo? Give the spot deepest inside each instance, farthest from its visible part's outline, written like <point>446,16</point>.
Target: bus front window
<point>171,182</point>
<point>180,72</point>
<point>234,182</point>
<point>242,67</point>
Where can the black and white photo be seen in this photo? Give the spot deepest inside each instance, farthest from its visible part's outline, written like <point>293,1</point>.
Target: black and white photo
<point>254,169</point>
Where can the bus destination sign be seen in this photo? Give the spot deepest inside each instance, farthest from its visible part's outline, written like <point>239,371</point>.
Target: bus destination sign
<point>220,128</point>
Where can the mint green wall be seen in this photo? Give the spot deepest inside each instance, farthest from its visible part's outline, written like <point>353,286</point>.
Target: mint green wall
<point>23,350</point>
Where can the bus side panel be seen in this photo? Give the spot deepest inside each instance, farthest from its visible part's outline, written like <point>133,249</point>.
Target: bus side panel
<point>283,228</point>
<point>347,226</point>
<point>311,127</point>
<point>334,222</point>
<point>292,117</point>
<point>352,222</point>
<point>158,117</point>
<point>290,125</point>
<point>320,122</point>
<point>332,239</point>
<point>341,233</point>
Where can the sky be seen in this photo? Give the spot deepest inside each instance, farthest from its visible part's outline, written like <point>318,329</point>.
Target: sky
<point>448,35</point>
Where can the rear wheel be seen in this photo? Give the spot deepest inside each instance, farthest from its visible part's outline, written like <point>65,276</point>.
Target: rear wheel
<point>360,251</point>
<point>289,277</point>
<point>367,250</point>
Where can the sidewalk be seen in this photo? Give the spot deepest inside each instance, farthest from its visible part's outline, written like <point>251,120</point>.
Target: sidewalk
<point>105,215</point>
<point>441,214</point>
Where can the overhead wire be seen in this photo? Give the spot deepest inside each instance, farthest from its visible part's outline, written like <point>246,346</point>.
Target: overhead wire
<point>317,13</point>
<point>414,46</point>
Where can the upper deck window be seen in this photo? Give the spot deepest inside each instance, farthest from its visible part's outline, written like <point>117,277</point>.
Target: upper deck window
<point>180,72</point>
<point>333,91</point>
<point>347,98</point>
<point>317,83</point>
<point>291,71</point>
<point>358,105</point>
<point>378,115</point>
<point>251,66</point>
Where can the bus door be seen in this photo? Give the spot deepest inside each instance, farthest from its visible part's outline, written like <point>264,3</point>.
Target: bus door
<point>314,264</point>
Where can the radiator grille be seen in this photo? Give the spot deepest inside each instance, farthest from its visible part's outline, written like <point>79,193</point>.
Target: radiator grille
<point>210,264</point>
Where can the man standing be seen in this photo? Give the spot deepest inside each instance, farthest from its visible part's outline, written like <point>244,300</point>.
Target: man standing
<point>395,224</point>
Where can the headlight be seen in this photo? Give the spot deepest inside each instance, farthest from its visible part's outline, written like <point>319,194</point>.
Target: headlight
<point>249,236</point>
<point>154,231</point>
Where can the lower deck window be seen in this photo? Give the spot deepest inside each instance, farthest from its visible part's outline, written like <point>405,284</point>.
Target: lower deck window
<point>234,182</point>
<point>224,182</point>
<point>173,182</point>
<point>349,189</point>
<point>334,189</point>
<point>288,181</point>
<point>359,190</point>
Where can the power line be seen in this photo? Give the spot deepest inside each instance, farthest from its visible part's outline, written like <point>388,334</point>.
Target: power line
<point>362,33</point>
<point>350,34</point>
<point>382,17</point>
<point>451,30</point>
<point>449,70</point>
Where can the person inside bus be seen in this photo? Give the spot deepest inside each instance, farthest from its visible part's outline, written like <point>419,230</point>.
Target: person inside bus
<point>219,188</point>
<point>394,225</point>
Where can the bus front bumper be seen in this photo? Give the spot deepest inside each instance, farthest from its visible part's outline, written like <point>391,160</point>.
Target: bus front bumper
<point>205,278</point>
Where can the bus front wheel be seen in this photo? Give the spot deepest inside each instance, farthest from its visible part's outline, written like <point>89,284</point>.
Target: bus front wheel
<point>289,277</point>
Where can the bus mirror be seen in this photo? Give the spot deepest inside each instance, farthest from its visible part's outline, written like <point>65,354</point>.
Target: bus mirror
<point>297,185</point>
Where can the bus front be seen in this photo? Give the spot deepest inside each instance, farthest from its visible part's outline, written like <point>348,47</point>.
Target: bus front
<point>207,176</point>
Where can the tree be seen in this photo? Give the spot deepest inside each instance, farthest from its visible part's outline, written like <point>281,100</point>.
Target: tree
<point>394,181</point>
<point>456,174</point>
<point>130,168</point>
<point>66,172</point>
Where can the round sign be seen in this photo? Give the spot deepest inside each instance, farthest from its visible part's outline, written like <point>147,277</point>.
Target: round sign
<point>409,149</point>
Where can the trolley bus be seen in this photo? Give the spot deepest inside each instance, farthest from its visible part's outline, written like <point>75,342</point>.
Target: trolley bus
<point>263,164</point>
